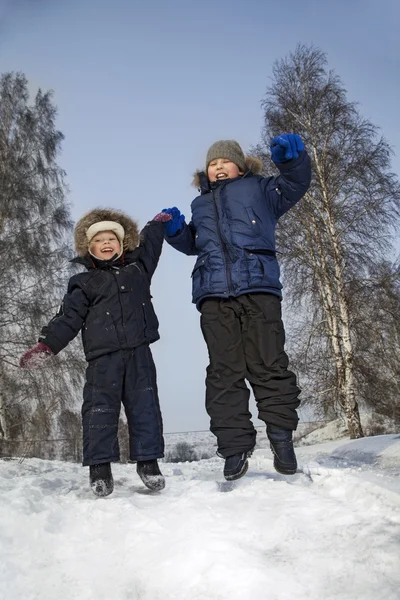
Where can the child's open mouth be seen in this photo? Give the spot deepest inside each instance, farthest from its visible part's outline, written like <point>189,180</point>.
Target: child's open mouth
<point>221,176</point>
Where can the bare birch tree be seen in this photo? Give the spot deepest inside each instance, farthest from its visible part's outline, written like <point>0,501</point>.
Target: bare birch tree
<point>340,230</point>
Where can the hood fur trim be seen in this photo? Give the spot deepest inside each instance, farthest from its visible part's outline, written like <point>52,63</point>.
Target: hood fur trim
<point>253,164</point>
<point>131,228</point>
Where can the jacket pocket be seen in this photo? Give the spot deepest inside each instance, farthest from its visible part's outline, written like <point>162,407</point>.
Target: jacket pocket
<point>99,330</point>
<point>252,270</point>
<point>254,222</point>
<point>260,268</point>
<point>200,276</point>
<point>261,251</point>
<point>149,318</point>
<point>200,267</point>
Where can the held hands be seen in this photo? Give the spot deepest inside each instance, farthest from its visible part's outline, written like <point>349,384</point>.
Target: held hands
<point>175,224</point>
<point>163,217</point>
<point>286,147</point>
<point>35,357</point>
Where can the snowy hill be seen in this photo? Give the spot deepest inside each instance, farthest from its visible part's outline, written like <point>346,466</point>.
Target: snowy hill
<point>331,532</point>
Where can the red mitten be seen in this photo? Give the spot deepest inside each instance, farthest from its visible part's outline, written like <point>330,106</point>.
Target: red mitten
<point>35,357</point>
<point>163,217</point>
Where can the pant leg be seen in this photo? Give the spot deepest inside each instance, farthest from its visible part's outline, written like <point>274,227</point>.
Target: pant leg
<point>227,395</point>
<point>101,407</point>
<point>274,385</point>
<point>142,407</point>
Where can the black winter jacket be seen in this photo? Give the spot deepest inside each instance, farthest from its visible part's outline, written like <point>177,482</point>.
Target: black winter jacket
<point>111,302</point>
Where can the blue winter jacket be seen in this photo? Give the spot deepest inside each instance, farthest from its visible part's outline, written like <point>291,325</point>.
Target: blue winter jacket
<point>233,230</point>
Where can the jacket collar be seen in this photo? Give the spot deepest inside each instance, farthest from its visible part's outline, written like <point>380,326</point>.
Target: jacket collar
<point>91,262</point>
<point>207,186</point>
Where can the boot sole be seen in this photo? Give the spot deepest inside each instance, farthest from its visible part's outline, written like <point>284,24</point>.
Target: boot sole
<point>238,475</point>
<point>286,472</point>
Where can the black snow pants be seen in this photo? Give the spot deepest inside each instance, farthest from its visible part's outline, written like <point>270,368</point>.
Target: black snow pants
<point>245,339</point>
<point>127,376</point>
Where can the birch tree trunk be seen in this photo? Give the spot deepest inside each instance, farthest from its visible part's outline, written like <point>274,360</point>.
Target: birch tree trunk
<point>344,355</point>
<point>4,431</point>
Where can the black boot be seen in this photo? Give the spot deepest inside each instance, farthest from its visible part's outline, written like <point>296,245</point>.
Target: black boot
<point>282,448</point>
<point>101,479</point>
<point>236,466</point>
<point>149,472</point>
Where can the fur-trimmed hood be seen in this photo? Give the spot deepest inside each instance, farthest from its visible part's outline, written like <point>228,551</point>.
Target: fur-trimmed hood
<point>130,226</point>
<point>253,164</point>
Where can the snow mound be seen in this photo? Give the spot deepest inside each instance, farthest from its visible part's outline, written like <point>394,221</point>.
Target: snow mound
<point>331,431</point>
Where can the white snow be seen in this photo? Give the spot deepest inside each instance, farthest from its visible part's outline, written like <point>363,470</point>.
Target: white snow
<point>331,532</point>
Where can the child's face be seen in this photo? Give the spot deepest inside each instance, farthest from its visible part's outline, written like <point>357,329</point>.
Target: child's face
<point>104,245</point>
<point>222,168</point>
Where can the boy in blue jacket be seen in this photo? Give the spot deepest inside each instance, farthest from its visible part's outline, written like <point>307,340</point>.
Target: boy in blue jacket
<point>237,290</point>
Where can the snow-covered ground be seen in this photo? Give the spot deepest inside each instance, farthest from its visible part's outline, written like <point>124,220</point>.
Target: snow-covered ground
<point>331,532</point>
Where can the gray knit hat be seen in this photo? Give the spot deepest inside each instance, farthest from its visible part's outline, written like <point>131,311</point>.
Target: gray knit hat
<point>227,149</point>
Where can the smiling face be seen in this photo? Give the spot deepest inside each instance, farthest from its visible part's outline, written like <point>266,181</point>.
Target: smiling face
<point>222,168</point>
<point>105,245</point>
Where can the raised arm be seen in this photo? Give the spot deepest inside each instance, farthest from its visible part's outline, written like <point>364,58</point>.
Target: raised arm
<point>285,190</point>
<point>151,241</point>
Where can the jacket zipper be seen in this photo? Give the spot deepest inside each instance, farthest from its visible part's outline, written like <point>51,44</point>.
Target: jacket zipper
<point>121,306</point>
<point>143,302</point>
<point>223,245</point>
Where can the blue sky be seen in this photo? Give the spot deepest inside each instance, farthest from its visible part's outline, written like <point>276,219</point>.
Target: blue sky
<point>143,88</point>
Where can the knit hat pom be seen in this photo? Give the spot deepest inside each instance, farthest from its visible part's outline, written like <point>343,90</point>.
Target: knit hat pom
<point>229,149</point>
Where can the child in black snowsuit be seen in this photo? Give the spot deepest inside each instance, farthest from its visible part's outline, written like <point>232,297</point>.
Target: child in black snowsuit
<point>110,304</point>
<point>236,288</point>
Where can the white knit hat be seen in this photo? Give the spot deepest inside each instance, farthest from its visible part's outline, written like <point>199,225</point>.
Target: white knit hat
<point>106,226</point>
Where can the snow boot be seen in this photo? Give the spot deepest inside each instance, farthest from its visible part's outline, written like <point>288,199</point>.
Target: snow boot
<point>236,466</point>
<point>149,472</point>
<point>282,448</point>
<point>101,479</point>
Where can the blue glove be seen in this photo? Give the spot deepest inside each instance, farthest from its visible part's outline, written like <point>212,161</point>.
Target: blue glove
<point>175,225</point>
<point>286,147</point>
